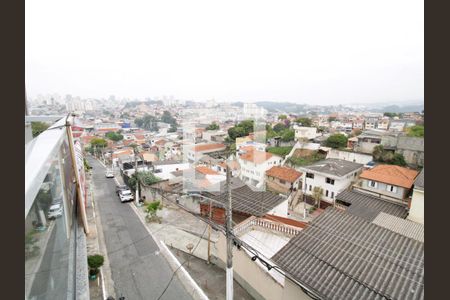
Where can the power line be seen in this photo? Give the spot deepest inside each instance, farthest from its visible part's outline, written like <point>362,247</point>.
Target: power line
<point>173,274</point>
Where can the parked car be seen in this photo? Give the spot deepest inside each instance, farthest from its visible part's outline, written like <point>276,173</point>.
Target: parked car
<point>125,196</point>
<point>121,188</point>
<point>109,174</point>
<point>55,211</point>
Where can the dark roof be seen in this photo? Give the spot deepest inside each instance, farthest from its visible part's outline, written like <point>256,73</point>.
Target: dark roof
<point>166,162</point>
<point>368,207</point>
<point>342,256</point>
<point>334,166</point>
<point>419,183</point>
<point>245,200</point>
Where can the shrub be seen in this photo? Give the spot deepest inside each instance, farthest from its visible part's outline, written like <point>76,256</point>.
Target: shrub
<point>95,261</point>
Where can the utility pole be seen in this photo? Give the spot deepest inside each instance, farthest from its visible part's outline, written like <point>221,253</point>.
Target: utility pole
<point>229,289</point>
<point>137,178</point>
<point>209,232</point>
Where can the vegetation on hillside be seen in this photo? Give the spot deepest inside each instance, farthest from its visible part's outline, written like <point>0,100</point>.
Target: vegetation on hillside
<point>280,151</point>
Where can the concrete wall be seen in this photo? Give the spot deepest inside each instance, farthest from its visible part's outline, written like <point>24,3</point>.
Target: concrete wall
<point>417,209</point>
<point>280,210</point>
<point>365,147</point>
<point>359,158</point>
<point>305,132</point>
<point>255,279</point>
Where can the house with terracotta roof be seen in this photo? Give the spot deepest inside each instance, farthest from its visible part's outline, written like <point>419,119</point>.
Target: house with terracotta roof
<point>387,181</point>
<point>283,179</point>
<point>197,151</point>
<point>254,164</point>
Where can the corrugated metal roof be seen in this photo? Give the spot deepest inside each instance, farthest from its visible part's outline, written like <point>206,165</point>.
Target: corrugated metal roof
<point>333,166</point>
<point>368,207</point>
<point>404,227</point>
<point>419,183</point>
<point>342,256</point>
<point>247,201</point>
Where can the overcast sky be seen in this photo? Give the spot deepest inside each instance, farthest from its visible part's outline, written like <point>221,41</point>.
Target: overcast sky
<point>321,52</point>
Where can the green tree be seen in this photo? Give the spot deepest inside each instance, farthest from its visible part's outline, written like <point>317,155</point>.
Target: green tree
<point>147,122</point>
<point>288,135</point>
<point>282,117</point>
<point>113,136</point>
<point>173,128</point>
<point>317,195</point>
<point>416,131</point>
<point>212,126</point>
<point>378,152</point>
<point>152,210</point>
<point>331,119</point>
<point>98,143</point>
<point>336,141</point>
<point>398,159</point>
<point>307,122</point>
<point>390,114</point>
<point>279,127</point>
<point>167,118</point>
<point>38,127</point>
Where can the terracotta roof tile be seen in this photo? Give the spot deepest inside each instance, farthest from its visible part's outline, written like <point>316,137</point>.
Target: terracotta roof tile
<point>394,175</point>
<point>206,147</point>
<point>206,170</point>
<point>253,155</point>
<point>284,173</point>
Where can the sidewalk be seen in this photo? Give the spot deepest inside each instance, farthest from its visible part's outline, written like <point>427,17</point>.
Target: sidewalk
<point>104,286</point>
<point>210,278</point>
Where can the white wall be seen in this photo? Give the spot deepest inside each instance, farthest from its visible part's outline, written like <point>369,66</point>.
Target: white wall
<point>340,183</point>
<point>280,210</point>
<point>359,158</point>
<point>417,209</point>
<point>257,172</point>
<point>305,132</point>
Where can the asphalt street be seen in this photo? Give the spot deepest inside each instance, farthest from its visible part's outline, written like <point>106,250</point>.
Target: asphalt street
<point>138,270</point>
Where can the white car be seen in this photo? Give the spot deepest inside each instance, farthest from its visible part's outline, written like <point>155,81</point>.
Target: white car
<point>125,195</point>
<point>109,174</point>
<point>55,211</point>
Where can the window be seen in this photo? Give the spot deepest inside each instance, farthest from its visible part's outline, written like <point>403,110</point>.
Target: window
<point>354,175</point>
<point>310,188</point>
<point>332,195</point>
<point>372,183</point>
<point>326,193</point>
<point>282,181</point>
<point>391,188</point>
<point>329,181</point>
<point>310,175</point>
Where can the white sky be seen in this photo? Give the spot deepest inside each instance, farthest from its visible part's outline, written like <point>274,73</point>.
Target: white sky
<point>322,52</point>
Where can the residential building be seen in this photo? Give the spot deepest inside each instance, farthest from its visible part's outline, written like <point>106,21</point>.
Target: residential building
<point>332,175</point>
<point>254,164</point>
<point>412,149</point>
<point>370,123</point>
<point>368,140</point>
<point>164,169</point>
<point>383,124</point>
<point>195,152</point>
<point>417,206</point>
<point>283,179</point>
<point>387,181</point>
<point>334,258</point>
<point>305,133</point>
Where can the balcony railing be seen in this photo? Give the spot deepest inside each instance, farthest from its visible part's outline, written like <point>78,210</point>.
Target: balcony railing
<point>253,222</point>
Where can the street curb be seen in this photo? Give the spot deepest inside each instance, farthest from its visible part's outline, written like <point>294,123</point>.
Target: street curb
<point>108,282</point>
